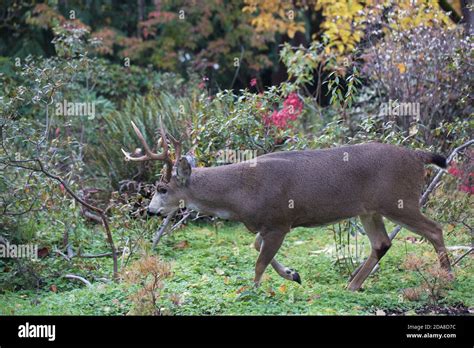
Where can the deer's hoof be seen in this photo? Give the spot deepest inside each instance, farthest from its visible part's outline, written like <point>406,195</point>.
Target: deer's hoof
<point>296,277</point>
<point>451,276</point>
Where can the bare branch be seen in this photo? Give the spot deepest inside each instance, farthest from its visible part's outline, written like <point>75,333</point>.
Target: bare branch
<point>59,252</point>
<point>462,256</point>
<point>85,281</point>
<point>100,212</point>
<point>162,229</point>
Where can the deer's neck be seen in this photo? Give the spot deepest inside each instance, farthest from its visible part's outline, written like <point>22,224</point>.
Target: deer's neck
<point>209,195</point>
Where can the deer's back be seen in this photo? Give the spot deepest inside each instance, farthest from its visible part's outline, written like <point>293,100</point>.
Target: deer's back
<point>312,187</point>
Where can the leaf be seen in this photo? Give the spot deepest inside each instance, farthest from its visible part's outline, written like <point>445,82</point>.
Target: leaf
<point>282,288</point>
<point>313,297</point>
<point>450,227</point>
<point>219,271</point>
<point>182,245</point>
<point>43,252</point>
<point>291,33</point>
<point>242,289</point>
<point>401,67</point>
<point>54,288</point>
<point>380,312</point>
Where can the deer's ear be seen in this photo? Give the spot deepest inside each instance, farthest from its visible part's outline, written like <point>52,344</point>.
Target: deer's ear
<point>183,171</point>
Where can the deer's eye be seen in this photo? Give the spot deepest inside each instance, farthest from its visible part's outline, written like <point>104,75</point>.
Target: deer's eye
<point>161,190</point>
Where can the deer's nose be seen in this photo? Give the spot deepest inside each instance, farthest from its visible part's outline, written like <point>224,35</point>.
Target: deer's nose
<point>152,213</point>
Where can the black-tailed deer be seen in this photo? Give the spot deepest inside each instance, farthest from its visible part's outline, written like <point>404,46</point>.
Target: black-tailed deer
<point>284,190</point>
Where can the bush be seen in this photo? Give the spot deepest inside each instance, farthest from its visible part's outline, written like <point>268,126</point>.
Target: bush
<point>434,280</point>
<point>427,65</point>
<point>148,274</point>
<point>264,122</point>
<point>107,160</point>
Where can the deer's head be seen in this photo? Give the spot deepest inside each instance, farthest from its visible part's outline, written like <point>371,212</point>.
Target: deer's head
<point>169,194</point>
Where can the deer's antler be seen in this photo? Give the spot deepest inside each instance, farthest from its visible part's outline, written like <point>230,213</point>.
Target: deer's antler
<point>150,155</point>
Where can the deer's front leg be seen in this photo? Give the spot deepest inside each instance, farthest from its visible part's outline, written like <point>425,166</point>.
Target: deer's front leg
<point>283,271</point>
<point>270,244</point>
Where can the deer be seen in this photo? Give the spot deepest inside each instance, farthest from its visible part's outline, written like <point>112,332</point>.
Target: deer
<point>305,188</point>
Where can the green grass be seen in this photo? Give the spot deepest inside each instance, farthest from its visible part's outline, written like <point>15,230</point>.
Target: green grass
<point>213,276</point>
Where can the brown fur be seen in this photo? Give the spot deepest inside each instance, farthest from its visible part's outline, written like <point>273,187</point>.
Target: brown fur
<point>368,180</point>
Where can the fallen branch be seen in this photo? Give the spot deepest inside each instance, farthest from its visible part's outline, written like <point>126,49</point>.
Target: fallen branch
<point>59,252</point>
<point>180,222</point>
<point>125,249</point>
<point>71,254</point>
<point>440,173</point>
<point>93,256</point>
<point>84,280</point>
<point>91,216</point>
<point>459,247</point>
<point>462,256</point>
<point>162,229</point>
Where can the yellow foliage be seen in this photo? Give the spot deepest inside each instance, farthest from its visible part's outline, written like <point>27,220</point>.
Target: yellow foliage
<point>282,288</point>
<point>344,20</point>
<point>274,16</point>
<point>401,67</point>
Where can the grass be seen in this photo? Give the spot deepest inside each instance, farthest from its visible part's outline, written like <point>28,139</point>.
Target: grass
<point>213,271</point>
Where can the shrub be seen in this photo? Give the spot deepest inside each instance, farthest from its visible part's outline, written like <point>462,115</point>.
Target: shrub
<point>435,281</point>
<point>264,122</point>
<point>148,274</point>
<point>465,173</point>
<point>108,160</point>
<point>428,65</point>
<point>292,108</point>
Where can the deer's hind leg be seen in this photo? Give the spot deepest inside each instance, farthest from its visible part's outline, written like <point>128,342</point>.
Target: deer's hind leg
<point>416,222</point>
<point>380,243</point>
<point>283,271</point>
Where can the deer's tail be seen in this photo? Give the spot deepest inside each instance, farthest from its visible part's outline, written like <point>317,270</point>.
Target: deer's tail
<point>431,158</point>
